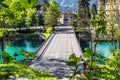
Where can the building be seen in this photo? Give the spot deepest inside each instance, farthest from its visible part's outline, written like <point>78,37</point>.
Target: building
<point>112,10</point>
<point>66,18</point>
<point>108,5</point>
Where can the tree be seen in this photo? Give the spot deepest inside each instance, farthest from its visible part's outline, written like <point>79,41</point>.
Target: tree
<point>44,5</point>
<point>93,13</point>
<point>94,10</point>
<point>83,19</point>
<point>99,24</point>
<point>16,13</point>
<point>40,20</point>
<point>83,14</point>
<point>75,19</point>
<point>52,13</point>
<point>34,20</point>
<point>112,15</point>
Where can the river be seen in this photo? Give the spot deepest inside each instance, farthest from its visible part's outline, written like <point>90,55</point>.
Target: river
<point>30,45</point>
<point>102,47</point>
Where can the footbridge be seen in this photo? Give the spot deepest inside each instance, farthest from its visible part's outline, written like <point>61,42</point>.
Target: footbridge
<point>55,51</point>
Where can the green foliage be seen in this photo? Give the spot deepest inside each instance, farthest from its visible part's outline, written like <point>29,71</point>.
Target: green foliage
<point>83,14</point>
<point>49,30</point>
<point>40,20</point>
<point>75,19</point>
<point>94,9</point>
<point>13,14</point>
<point>35,20</point>
<point>10,67</point>
<point>28,3</point>
<point>52,13</point>
<point>46,35</point>
<point>18,13</point>
<point>6,58</point>
<point>29,14</point>
<point>3,32</point>
<point>74,61</point>
<point>102,67</point>
<point>99,23</point>
<point>27,54</point>
<point>46,78</point>
<point>96,64</point>
<point>21,70</point>
<point>112,68</point>
<point>91,56</point>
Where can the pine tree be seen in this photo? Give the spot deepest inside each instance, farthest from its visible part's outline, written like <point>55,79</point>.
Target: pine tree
<point>52,14</point>
<point>94,9</point>
<point>83,14</point>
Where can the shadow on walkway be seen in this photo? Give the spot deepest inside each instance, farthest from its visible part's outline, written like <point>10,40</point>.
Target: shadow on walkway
<point>57,67</point>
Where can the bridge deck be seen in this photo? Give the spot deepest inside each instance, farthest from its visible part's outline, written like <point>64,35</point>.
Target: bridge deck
<point>57,52</point>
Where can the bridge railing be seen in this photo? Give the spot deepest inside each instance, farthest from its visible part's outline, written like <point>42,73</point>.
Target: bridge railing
<point>44,45</point>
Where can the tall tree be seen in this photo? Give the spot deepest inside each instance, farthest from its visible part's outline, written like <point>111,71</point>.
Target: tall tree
<point>93,13</point>
<point>52,13</point>
<point>40,20</point>
<point>44,5</point>
<point>83,14</point>
<point>41,17</point>
<point>94,9</point>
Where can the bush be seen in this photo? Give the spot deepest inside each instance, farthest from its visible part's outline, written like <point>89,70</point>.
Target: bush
<point>6,58</point>
<point>49,30</point>
<point>22,71</point>
<point>46,35</point>
<point>47,78</point>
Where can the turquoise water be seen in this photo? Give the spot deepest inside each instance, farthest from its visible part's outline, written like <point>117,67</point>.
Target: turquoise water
<point>17,46</point>
<point>103,48</point>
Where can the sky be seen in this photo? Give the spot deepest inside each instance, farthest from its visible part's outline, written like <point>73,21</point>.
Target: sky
<point>71,4</point>
<point>94,2</point>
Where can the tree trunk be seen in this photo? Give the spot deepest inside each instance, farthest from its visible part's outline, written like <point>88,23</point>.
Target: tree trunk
<point>3,46</point>
<point>113,40</point>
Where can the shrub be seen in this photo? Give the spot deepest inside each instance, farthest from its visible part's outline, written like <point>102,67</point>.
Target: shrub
<point>6,58</point>
<point>47,78</point>
<point>22,71</point>
<point>49,30</point>
<point>46,35</point>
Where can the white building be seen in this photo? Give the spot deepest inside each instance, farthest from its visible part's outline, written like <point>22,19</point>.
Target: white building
<point>112,10</point>
<point>66,18</point>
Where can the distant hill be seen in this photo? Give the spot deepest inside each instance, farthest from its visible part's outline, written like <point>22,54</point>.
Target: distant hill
<point>70,5</point>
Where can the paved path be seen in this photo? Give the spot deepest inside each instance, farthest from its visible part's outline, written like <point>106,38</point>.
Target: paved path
<point>57,51</point>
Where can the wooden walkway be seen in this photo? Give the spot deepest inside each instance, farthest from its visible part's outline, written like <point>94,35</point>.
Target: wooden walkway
<point>52,56</point>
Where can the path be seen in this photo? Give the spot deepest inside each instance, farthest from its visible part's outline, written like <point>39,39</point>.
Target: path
<point>55,54</point>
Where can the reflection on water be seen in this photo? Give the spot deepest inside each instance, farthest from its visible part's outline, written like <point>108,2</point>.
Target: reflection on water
<point>103,48</point>
<point>17,46</point>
